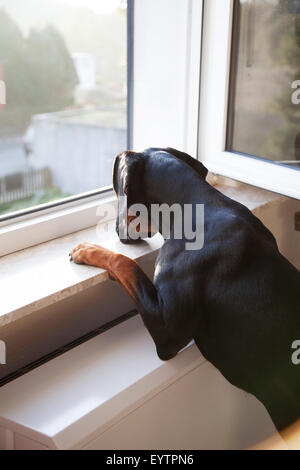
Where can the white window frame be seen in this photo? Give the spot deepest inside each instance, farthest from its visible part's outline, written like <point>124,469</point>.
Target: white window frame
<point>48,223</point>
<point>167,56</point>
<point>215,80</point>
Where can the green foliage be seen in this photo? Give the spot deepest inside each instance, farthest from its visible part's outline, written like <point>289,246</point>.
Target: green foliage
<point>101,35</point>
<point>12,56</point>
<point>39,72</point>
<point>53,75</point>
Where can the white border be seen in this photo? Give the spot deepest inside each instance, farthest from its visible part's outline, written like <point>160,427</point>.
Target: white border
<point>213,111</point>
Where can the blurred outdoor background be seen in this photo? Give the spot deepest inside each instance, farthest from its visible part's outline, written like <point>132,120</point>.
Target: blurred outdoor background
<point>64,63</point>
<point>264,122</point>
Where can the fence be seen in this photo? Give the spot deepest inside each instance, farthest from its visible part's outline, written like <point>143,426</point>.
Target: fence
<point>22,185</point>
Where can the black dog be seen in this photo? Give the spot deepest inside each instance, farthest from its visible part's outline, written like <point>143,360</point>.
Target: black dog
<point>237,297</point>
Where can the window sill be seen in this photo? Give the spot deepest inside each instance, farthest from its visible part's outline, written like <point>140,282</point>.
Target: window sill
<point>250,196</point>
<point>40,276</point>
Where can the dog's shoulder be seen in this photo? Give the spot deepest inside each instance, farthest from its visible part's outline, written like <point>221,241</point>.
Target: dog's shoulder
<point>234,222</point>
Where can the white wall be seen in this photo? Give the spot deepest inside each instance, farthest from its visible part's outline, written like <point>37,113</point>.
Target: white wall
<point>80,157</point>
<point>166,73</point>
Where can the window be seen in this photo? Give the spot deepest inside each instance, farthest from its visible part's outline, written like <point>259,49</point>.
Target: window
<point>264,116</point>
<point>64,117</point>
<point>250,92</point>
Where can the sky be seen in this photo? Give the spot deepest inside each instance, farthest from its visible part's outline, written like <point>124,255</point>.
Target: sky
<point>98,6</point>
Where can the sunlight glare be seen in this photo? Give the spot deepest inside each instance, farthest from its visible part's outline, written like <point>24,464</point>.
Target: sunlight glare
<point>98,6</point>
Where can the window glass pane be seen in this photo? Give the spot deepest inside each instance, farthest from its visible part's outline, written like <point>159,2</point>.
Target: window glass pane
<point>63,97</point>
<point>264,104</point>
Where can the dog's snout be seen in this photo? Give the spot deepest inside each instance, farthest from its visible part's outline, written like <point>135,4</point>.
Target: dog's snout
<point>122,234</point>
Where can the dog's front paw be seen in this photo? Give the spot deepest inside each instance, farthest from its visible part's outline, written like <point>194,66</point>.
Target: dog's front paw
<point>93,255</point>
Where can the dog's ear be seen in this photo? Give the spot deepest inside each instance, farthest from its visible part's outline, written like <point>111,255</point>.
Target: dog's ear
<point>131,171</point>
<point>115,173</point>
<point>195,164</point>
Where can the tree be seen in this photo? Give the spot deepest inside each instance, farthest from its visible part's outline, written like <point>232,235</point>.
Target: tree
<point>53,72</point>
<point>39,72</point>
<point>12,57</point>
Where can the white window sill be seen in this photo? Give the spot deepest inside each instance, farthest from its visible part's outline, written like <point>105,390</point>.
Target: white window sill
<point>39,276</point>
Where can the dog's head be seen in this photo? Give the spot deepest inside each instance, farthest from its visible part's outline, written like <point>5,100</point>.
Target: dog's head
<point>129,185</point>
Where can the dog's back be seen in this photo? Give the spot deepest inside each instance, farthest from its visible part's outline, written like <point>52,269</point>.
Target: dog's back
<point>252,301</point>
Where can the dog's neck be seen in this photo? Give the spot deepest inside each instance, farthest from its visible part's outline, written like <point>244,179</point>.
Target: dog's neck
<point>174,183</point>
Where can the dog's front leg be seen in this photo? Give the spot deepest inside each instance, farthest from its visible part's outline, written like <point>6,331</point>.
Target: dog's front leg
<point>138,286</point>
